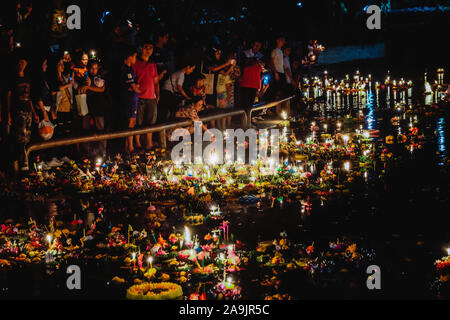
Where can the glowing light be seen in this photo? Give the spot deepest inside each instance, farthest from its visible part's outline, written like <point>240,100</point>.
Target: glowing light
<point>347,166</point>
<point>214,158</point>
<point>346,138</point>
<point>187,235</point>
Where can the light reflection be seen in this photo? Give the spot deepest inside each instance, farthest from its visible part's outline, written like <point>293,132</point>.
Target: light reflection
<point>370,118</point>
<point>440,129</point>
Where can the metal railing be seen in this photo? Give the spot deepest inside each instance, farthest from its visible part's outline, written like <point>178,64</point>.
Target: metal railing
<point>264,106</point>
<point>161,128</point>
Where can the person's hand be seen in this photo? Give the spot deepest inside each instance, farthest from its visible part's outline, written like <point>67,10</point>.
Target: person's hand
<point>163,73</point>
<point>83,89</point>
<point>89,82</point>
<point>277,76</point>
<point>9,120</point>
<point>157,99</point>
<point>36,118</point>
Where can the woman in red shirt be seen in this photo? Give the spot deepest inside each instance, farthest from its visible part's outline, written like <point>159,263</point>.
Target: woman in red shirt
<point>250,83</point>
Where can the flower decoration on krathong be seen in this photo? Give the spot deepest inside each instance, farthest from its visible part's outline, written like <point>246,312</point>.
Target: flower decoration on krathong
<point>443,265</point>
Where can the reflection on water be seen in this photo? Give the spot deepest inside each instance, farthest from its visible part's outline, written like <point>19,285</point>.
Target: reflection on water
<point>442,150</point>
<point>377,107</point>
<point>370,117</point>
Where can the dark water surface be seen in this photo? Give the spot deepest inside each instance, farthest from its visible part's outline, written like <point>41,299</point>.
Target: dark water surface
<point>403,216</point>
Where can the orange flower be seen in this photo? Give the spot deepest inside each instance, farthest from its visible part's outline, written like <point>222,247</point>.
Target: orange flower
<point>208,237</point>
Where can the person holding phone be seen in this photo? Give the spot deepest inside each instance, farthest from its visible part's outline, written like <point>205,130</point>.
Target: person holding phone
<point>216,64</point>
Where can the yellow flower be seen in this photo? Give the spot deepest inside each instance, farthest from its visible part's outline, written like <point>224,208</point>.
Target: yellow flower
<point>165,277</point>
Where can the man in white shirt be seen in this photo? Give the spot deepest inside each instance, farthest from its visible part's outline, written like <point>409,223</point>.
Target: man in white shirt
<point>175,80</point>
<point>277,63</point>
<point>172,93</point>
<point>277,66</point>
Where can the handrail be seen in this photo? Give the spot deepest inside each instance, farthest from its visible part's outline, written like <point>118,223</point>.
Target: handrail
<point>131,132</point>
<point>263,106</point>
<point>246,122</point>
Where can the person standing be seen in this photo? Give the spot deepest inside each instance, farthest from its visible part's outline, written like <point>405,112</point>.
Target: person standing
<point>147,79</point>
<point>42,92</point>
<point>250,83</point>
<point>254,51</point>
<point>290,80</point>
<point>20,114</point>
<point>129,95</point>
<point>216,65</point>
<point>96,100</point>
<point>62,112</point>
<point>277,66</point>
<point>162,56</point>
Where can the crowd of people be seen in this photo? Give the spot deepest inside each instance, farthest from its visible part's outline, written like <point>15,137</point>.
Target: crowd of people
<point>66,91</point>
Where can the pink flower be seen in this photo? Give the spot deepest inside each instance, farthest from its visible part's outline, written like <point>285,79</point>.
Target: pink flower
<point>201,256</point>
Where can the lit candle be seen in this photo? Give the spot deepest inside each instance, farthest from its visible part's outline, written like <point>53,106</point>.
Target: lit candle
<point>346,138</point>
<point>187,236</point>
<point>229,284</point>
<point>150,260</point>
<point>347,166</point>
<point>49,239</point>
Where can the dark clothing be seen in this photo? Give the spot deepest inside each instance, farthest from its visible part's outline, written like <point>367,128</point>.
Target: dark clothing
<point>129,98</point>
<point>168,105</point>
<point>42,91</point>
<point>279,87</point>
<point>94,122</point>
<point>163,60</point>
<point>20,133</point>
<point>97,101</point>
<point>247,97</point>
<point>147,112</point>
<point>20,94</point>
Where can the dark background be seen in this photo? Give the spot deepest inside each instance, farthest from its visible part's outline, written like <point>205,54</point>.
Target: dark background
<point>417,36</point>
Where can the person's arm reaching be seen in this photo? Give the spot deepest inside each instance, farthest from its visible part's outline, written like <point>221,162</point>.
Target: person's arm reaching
<point>183,93</point>
<point>161,75</point>
<point>217,68</point>
<point>35,115</point>
<point>42,108</point>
